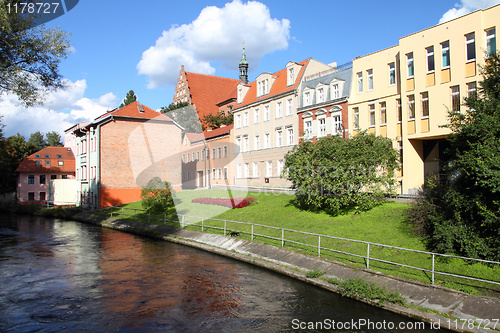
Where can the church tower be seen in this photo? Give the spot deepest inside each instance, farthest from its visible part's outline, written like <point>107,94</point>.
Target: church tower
<point>244,67</point>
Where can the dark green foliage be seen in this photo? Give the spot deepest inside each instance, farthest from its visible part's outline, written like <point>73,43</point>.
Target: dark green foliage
<point>214,121</point>
<point>37,140</point>
<point>357,287</point>
<point>53,139</point>
<point>463,215</point>
<point>130,98</point>
<point>337,175</point>
<point>185,115</point>
<point>157,196</point>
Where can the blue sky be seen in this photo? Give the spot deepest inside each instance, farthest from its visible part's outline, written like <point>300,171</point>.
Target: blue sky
<point>123,45</point>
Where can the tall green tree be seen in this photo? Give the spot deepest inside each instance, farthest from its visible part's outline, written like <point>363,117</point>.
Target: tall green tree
<point>130,98</point>
<point>463,215</point>
<point>29,57</point>
<point>336,175</point>
<point>37,139</point>
<point>53,139</point>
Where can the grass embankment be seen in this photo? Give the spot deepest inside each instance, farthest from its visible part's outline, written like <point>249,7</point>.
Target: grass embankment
<point>386,224</point>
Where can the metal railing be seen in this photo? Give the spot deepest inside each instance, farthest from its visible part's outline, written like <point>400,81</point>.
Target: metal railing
<point>279,234</point>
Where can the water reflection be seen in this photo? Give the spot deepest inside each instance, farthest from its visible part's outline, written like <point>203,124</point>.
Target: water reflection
<point>60,275</point>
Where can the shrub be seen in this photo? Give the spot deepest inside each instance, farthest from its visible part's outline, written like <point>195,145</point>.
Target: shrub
<point>226,202</point>
<point>157,196</point>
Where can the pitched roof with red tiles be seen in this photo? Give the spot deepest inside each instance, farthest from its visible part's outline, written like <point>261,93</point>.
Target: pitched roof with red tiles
<point>279,86</point>
<point>213,133</point>
<point>135,110</point>
<point>54,155</point>
<point>207,91</point>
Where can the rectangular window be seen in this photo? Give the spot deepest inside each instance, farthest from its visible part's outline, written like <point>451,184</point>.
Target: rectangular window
<point>245,143</point>
<point>247,170</point>
<point>424,97</point>
<point>213,154</point>
<point>307,98</point>
<point>42,179</point>
<point>491,43</point>
<point>409,65</point>
<point>471,89</point>
<point>238,121</point>
<point>42,196</point>
<point>47,162</point>
<point>280,167</point>
<point>207,155</point>
<point>31,179</point>
<point>219,172</point>
<point>336,92</point>
<point>455,99</point>
<point>289,107</point>
<point>267,142</point>
<point>371,108</point>
<point>399,110</point>
<point>31,196</point>
<point>383,113</point>
<point>257,142</point>
<point>360,82</point>
<point>308,129</point>
<point>470,47</point>
<point>279,138</point>
<point>255,169</point>
<point>430,59</point>
<point>355,118</point>
<point>256,116</point>
<point>321,95</point>
<point>266,113</point>
<point>197,155</point>
<point>392,74</point>
<point>411,107</point>
<point>219,152</point>
<point>269,169</point>
<point>291,76</point>
<point>225,173</point>
<point>337,125</point>
<point>214,175</point>
<point>202,154</point>
<point>66,176</point>
<point>245,119</point>
<point>53,176</point>
<point>322,126</point>
<point>369,77</point>
<point>290,136</point>
<point>38,162</point>
<point>224,151</point>
<point>445,55</point>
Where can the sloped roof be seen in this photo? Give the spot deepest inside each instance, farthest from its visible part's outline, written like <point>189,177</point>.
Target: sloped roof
<point>207,91</point>
<point>210,134</point>
<point>279,86</point>
<point>135,110</point>
<point>29,163</point>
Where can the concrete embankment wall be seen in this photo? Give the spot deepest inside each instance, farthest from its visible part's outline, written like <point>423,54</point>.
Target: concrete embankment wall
<point>426,302</point>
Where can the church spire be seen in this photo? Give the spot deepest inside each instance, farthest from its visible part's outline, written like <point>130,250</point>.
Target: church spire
<point>244,66</point>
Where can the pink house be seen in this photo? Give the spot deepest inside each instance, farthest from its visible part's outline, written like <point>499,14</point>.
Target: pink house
<point>37,170</point>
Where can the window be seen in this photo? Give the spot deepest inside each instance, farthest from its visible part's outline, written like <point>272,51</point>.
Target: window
<point>322,126</point>
<point>192,156</point>
<point>445,55</point>
<point>245,119</point>
<point>337,125</point>
<point>336,92</point>
<point>289,107</point>
<point>279,137</point>
<point>238,170</point>
<point>225,173</point>
<point>471,89</point>
<point>455,99</point>
<point>399,110</point>
<point>47,162</point>
<point>409,65</point>
<point>238,121</point>
<point>266,113</point>
<point>247,170</point>
<point>31,179</point>
<point>369,77</point>
<point>213,153</point>
<point>280,167</point>
<point>470,47</point>
<point>383,113</point>
<point>291,76</point>
<point>392,74</point>
<point>256,116</point>
<point>279,109</point>
<point>53,176</point>
<point>307,98</point>
<point>197,155</point>
<point>219,152</point>
<point>37,155</point>
<point>269,169</point>
<point>207,152</point>
<point>290,135</point>
<point>240,96</point>
<point>430,59</point>
<point>321,95</point>
<point>42,196</point>
<point>213,174</point>
<point>371,108</point>
<point>38,162</point>
<point>31,196</point>
<point>424,97</point>
<point>219,172</point>
<point>255,169</point>
<point>59,156</point>
<point>355,118</point>
<point>245,143</point>
<point>202,154</point>
<point>224,151</point>
<point>411,107</point>
<point>66,176</point>
<point>267,142</point>
<point>47,156</point>
<point>360,82</point>
<point>308,129</point>
<point>491,44</point>
<point>60,163</point>
<point>257,142</point>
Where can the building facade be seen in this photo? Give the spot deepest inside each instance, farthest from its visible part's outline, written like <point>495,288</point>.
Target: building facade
<point>405,92</point>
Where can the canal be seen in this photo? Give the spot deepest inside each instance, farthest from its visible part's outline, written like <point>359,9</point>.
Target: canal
<point>58,276</point>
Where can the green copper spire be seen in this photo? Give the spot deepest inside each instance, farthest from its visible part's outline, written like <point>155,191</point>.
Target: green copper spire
<point>244,66</point>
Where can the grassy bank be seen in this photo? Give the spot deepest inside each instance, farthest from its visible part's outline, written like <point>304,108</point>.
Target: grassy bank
<point>386,224</point>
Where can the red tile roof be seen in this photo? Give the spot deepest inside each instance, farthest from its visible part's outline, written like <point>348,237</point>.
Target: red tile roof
<point>29,163</point>
<point>211,134</point>
<point>136,110</point>
<point>207,91</point>
<point>279,86</point>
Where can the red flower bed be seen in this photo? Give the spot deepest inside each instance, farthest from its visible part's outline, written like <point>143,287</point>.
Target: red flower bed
<point>230,203</point>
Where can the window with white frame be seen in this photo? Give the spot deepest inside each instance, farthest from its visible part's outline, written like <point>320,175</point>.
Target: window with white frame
<point>360,81</point>
<point>337,124</point>
<point>213,154</point>
<point>197,155</point>
<point>491,43</point>
<point>214,174</point>
<point>322,126</point>
<point>238,144</point>
<point>430,59</point>
<point>399,110</point>
<point>470,47</point>
<point>247,170</point>
<point>308,129</point>
<point>409,66</point>
<point>256,115</point>
<point>471,89</point>
<point>269,168</point>
<point>289,132</point>
<point>187,158</point>
<point>355,118</point>
<point>279,137</point>
<point>321,95</point>
<point>369,78</point>
<point>219,173</point>
<point>219,152</point>
<point>267,140</point>
<point>455,98</point>
<point>207,153</point>
<point>245,143</point>
<point>291,76</point>
<point>238,121</point>
<point>255,169</point>
<point>307,98</point>
<point>224,151</point>
<point>225,173</point>
<point>245,119</point>
<point>411,107</point>
<point>279,109</point>
<point>424,99</point>
<point>267,114</point>
<point>238,170</point>
<point>240,95</point>
<point>445,55</point>
<point>383,113</point>
<point>280,167</point>
<point>335,91</point>
<point>371,109</point>
<point>289,107</point>
<point>256,143</point>
<point>392,74</point>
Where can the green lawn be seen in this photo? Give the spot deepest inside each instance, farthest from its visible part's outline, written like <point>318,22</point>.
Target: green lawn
<point>386,224</point>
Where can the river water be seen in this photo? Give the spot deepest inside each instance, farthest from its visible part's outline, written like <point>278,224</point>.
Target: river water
<point>58,276</point>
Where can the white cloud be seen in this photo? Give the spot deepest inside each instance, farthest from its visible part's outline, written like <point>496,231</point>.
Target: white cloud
<point>215,36</point>
<point>466,7</point>
<point>63,109</point>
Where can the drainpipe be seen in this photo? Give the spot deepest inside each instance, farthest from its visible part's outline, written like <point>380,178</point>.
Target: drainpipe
<point>98,173</point>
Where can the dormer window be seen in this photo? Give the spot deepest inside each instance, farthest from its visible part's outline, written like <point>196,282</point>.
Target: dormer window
<point>321,95</point>
<point>307,98</point>
<point>335,91</point>
<point>240,96</point>
<point>291,76</point>
<point>262,87</point>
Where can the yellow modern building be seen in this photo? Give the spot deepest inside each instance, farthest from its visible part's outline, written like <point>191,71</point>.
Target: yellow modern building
<point>405,92</point>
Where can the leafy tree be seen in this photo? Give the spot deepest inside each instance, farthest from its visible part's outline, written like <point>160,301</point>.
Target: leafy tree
<point>215,121</point>
<point>29,57</point>
<point>463,215</point>
<point>336,175</point>
<point>53,139</point>
<point>19,148</point>
<point>157,196</point>
<point>130,98</point>
<point>185,115</point>
<point>37,140</point>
